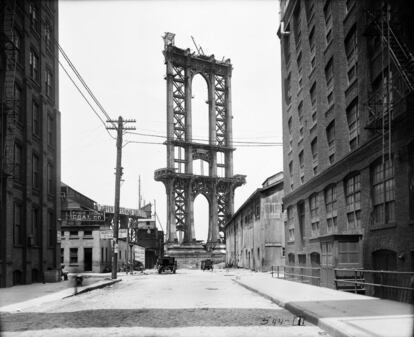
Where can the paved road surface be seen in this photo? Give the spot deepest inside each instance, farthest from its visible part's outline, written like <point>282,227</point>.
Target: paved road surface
<point>189,303</point>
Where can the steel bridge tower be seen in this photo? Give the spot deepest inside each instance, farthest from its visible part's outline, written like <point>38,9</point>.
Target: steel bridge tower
<point>182,185</point>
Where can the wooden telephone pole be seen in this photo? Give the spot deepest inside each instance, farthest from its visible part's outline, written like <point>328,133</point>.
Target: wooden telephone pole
<point>120,128</point>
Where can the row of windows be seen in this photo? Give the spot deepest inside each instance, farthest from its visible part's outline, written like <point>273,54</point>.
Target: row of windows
<point>35,231</point>
<point>352,115</point>
<point>19,102</point>
<point>352,110</point>
<point>75,234</point>
<point>382,194</point>
<point>34,60</point>
<point>74,254</point>
<point>19,169</point>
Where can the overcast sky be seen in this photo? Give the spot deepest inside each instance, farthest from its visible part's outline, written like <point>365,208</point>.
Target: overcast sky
<point>117,48</point>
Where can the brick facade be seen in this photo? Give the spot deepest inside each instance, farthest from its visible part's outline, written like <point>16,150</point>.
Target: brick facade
<point>350,141</point>
<point>30,142</point>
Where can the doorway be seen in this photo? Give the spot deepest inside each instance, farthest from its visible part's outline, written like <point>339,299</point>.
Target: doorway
<point>87,259</point>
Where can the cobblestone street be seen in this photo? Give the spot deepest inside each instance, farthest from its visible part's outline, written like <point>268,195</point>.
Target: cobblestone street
<point>184,304</point>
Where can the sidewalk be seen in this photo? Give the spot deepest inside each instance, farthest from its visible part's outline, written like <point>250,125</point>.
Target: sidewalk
<point>339,313</point>
<point>19,297</point>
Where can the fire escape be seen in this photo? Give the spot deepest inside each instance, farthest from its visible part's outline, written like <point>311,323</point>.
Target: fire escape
<point>388,100</point>
<point>9,106</point>
<point>391,97</point>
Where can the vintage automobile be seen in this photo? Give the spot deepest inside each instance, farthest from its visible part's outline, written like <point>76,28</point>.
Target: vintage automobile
<point>166,263</point>
<point>207,264</point>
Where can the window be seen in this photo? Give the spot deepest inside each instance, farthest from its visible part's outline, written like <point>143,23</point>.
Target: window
<point>297,27</point>
<point>312,40</point>
<point>62,255</point>
<point>73,234</point>
<point>36,118</point>
<point>327,11</point>
<point>352,115</point>
<point>301,218</point>
<point>301,160</point>
<point>379,87</point>
<point>348,252</point>
<point>257,210</point>
<point>286,48</point>
<point>87,233</point>
<point>314,148</point>
<point>300,113</point>
<point>48,35</point>
<point>35,231</point>
<point>330,205</point>
<point>351,44</point>
<point>353,202</point>
<point>302,259</point>
<point>34,16</point>
<point>50,128</point>
<point>34,66</point>
<point>349,5</point>
<point>326,253</point>
<point>291,169</point>
<point>48,83</point>
<point>330,137</point>
<point>310,9</point>
<point>73,256</point>
<point>329,72</point>
<point>17,41</point>
<point>290,126</point>
<point>352,73</point>
<point>17,223</point>
<point>18,163</point>
<point>329,37</point>
<point>291,258</point>
<point>51,229</point>
<point>291,223</point>
<point>383,191</point>
<point>314,211</point>
<point>312,93</point>
<point>50,184</point>
<point>19,103</point>
<point>288,95</point>
<point>35,171</point>
<point>299,62</point>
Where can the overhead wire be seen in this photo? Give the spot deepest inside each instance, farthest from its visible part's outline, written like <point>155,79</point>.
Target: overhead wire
<point>240,143</point>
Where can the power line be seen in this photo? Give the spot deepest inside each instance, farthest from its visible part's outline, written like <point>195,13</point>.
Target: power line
<point>241,143</point>
<point>84,97</point>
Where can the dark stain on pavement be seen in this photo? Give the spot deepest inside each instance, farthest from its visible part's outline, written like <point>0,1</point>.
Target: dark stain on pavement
<point>162,318</point>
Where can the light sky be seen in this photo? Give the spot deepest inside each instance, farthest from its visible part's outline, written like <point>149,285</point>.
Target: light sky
<point>117,48</point>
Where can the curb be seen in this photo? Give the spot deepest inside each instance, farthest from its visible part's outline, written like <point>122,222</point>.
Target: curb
<point>300,312</point>
<point>94,287</point>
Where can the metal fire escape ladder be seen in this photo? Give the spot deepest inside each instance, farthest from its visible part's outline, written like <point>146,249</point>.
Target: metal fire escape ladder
<point>8,104</point>
<point>400,53</point>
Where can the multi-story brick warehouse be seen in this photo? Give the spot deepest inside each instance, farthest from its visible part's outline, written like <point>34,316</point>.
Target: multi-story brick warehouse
<point>348,79</point>
<point>30,142</point>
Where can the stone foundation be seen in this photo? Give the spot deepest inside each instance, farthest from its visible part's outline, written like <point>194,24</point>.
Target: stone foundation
<point>191,255</point>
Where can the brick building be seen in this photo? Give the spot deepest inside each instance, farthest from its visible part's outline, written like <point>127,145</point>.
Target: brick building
<point>255,233</point>
<point>348,80</point>
<point>30,142</point>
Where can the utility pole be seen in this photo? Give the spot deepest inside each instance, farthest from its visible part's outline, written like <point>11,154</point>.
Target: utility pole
<point>118,174</point>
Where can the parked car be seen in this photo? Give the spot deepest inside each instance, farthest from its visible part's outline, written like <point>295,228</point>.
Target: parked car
<point>166,263</point>
<point>207,264</point>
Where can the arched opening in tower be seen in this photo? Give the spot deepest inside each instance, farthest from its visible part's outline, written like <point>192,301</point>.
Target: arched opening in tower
<point>200,167</point>
<point>201,218</point>
<point>199,108</point>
